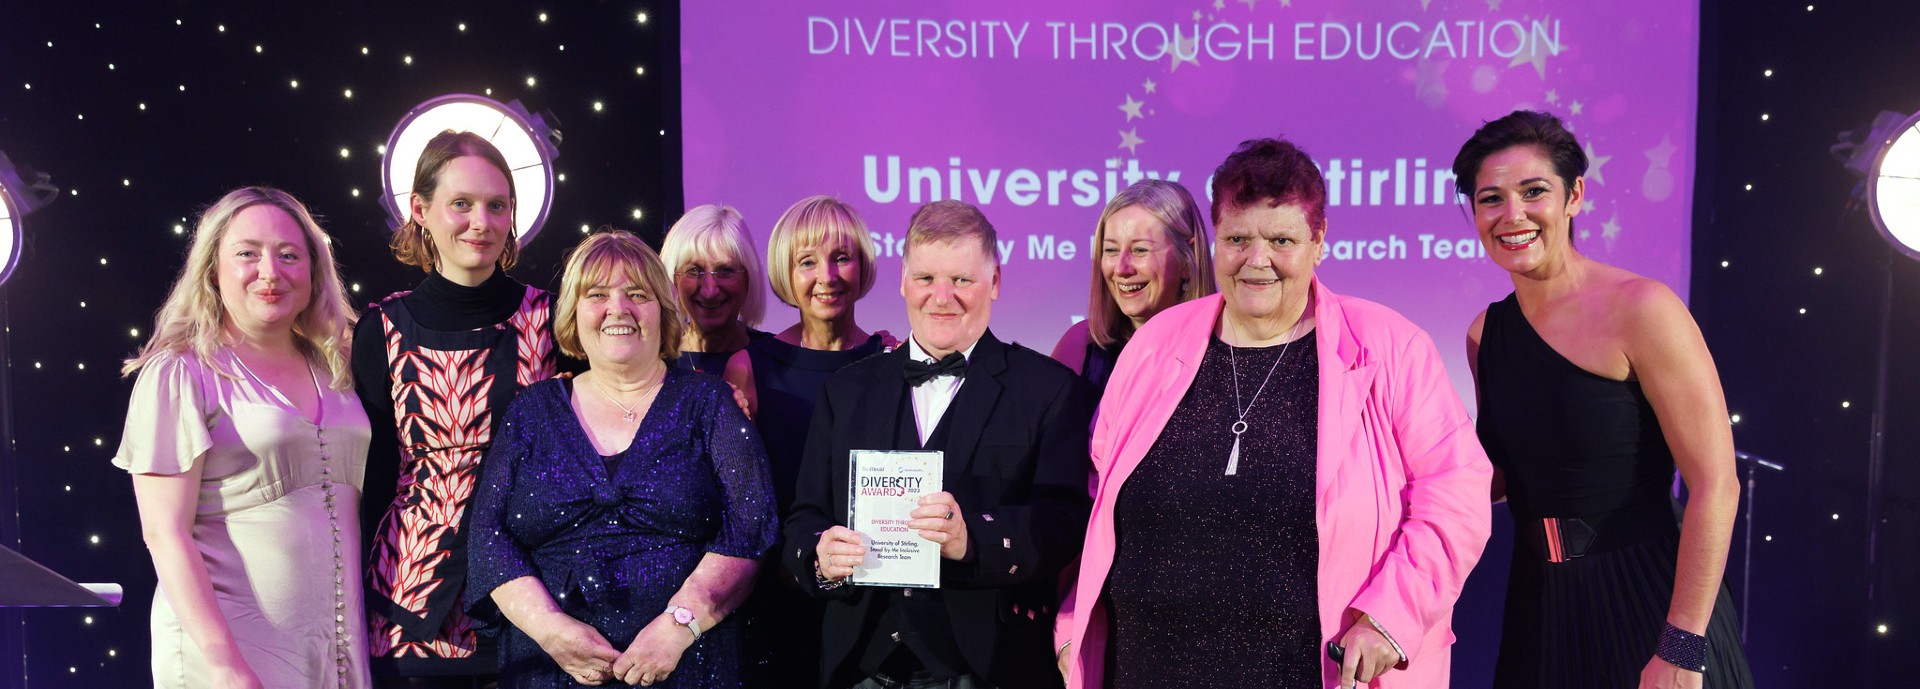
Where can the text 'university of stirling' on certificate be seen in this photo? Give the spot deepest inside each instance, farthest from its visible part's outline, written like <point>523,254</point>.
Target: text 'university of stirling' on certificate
<point>886,487</point>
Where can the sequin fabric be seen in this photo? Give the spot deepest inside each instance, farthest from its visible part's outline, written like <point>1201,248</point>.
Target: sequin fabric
<point>613,547</point>
<point>1213,582</point>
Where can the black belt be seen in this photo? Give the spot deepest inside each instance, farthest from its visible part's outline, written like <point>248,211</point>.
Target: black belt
<point>1559,539</point>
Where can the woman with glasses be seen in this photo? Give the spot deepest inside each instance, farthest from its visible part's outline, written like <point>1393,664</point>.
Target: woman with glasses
<point>716,271</point>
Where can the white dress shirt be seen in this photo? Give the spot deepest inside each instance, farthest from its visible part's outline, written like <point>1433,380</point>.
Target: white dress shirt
<point>931,399</point>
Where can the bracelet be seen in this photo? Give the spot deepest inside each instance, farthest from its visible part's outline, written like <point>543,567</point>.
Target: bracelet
<point>822,581</point>
<point>1684,649</point>
<point>1383,632</point>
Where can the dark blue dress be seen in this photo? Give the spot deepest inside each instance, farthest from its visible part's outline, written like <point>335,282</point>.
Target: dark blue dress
<point>613,545</point>
<point>715,362</point>
<point>788,378</point>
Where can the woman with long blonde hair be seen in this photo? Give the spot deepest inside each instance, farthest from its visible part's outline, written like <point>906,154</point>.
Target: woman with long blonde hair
<point>247,448</point>
<point>1153,254</point>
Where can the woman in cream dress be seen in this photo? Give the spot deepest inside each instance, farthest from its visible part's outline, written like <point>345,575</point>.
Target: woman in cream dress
<point>247,446</point>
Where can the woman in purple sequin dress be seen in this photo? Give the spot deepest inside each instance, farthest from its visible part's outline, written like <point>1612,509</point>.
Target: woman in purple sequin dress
<point>621,514</point>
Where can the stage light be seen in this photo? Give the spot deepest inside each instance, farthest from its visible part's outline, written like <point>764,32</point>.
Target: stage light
<point>18,197</point>
<point>9,236</point>
<point>527,141</point>
<point>1893,186</point>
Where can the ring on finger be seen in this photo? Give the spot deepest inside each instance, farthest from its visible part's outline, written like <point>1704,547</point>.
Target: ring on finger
<point>949,514</point>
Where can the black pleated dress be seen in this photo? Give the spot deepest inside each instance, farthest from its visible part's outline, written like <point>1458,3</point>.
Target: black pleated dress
<point>1587,472</point>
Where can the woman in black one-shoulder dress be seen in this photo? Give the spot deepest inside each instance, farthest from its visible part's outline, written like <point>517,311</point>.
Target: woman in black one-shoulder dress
<point>1595,384</point>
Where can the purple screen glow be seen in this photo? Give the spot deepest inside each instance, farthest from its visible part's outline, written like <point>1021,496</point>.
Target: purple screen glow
<point>1038,112</point>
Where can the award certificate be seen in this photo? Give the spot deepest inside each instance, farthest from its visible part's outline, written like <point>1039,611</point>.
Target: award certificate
<point>885,488</point>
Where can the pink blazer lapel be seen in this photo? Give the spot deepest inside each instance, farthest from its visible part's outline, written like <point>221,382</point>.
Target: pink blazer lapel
<point>1346,376</point>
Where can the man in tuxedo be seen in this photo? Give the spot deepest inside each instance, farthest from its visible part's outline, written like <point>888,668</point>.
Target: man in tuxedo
<point>1012,425</point>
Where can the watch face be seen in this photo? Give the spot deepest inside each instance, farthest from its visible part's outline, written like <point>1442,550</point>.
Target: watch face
<point>682,616</point>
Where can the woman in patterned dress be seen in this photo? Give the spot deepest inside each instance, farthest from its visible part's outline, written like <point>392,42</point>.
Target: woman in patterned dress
<point>245,448</point>
<point>439,364</point>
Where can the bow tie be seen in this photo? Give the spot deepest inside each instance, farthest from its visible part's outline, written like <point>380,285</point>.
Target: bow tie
<point>950,365</point>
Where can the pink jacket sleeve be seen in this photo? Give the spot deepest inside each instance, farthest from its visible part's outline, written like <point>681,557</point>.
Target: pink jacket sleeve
<point>1447,515</point>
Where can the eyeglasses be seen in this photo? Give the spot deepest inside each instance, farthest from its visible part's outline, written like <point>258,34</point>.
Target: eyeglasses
<point>720,274</point>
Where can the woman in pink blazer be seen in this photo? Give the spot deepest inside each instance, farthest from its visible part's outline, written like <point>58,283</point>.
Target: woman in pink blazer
<point>1280,467</point>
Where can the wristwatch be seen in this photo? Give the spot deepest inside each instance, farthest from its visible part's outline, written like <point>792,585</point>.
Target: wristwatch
<point>684,617</point>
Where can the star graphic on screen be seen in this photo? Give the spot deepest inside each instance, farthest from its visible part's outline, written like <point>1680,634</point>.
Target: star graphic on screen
<point>1286,3</point>
<point>1132,108</point>
<point>1610,230</point>
<point>1584,234</point>
<point>1249,4</point>
<point>1553,96</point>
<point>1149,86</point>
<point>1184,50</point>
<point>1129,139</point>
<point>1595,162</point>
<point>1196,15</point>
<point>1533,56</point>
<point>1577,107</point>
<point>1493,5</point>
<point>1424,4</point>
<point>1219,4</point>
<point>1661,155</point>
<point>1586,206</point>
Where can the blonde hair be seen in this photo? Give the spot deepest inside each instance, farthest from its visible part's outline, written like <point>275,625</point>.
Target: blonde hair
<point>717,232</point>
<point>410,243</point>
<point>808,223</point>
<point>594,262</point>
<point>951,221</point>
<point>194,319</point>
<point>1174,208</point>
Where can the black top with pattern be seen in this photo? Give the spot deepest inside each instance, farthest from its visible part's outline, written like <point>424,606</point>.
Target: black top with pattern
<point>1214,581</point>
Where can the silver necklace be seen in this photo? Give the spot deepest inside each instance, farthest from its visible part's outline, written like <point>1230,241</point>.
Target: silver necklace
<point>1240,425</point>
<point>628,414</point>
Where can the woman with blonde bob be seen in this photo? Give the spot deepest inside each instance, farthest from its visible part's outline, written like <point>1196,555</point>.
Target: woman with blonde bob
<point>623,512</point>
<point>820,261</point>
<point>246,448</point>
<point>1153,254</point>
<point>717,278</point>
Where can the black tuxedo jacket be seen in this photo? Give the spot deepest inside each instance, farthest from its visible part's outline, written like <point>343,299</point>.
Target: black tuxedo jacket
<point>1016,462</point>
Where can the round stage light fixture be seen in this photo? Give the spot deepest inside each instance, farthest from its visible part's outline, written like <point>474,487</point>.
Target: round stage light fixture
<point>528,143</point>
<point>9,234</point>
<point>1893,187</point>
<point>22,191</point>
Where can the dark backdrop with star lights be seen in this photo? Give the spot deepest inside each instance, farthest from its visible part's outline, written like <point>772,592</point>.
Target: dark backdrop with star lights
<point>142,113</point>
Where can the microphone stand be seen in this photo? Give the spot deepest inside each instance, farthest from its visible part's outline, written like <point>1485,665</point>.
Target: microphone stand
<point>1754,464</point>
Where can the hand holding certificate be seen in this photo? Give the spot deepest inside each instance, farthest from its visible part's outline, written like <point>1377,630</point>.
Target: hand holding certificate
<point>886,489</point>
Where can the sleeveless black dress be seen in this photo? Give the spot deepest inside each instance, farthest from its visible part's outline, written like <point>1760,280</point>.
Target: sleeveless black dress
<point>1597,535</point>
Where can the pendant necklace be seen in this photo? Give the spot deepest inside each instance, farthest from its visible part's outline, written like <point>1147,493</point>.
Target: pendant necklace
<point>1240,425</point>
<point>627,413</point>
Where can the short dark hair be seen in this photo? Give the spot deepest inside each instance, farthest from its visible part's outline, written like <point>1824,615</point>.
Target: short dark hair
<point>1520,128</point>
<point>1273,171</point>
